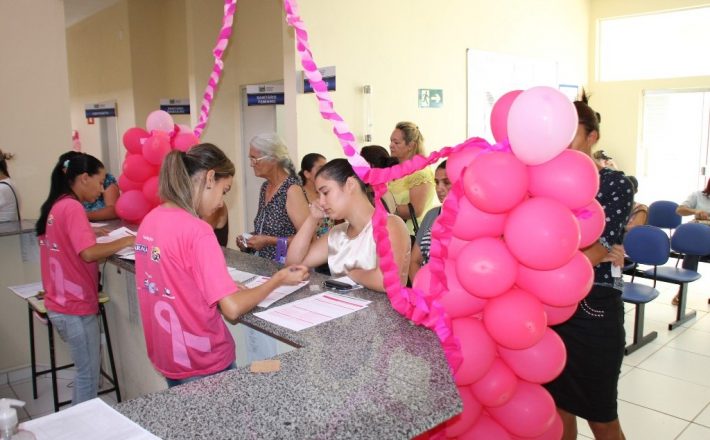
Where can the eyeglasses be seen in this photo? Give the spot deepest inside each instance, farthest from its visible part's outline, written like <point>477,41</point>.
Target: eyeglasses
<point>255,160</point>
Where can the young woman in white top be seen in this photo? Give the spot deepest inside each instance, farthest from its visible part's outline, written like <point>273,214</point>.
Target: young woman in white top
<point>349,247</point>
<point>9,204</point>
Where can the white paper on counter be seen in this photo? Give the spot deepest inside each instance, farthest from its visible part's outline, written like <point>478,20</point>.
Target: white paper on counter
<point>25,291</point>
<point>127,253</point>
<point>97,224</point>
<point>239,275</point>
<point>92,419</point>
<point>314,310</point>
<point>277,294</point>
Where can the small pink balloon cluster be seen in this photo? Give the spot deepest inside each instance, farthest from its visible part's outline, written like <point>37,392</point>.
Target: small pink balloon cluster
<point>506,263</point>
<point>145,151</point>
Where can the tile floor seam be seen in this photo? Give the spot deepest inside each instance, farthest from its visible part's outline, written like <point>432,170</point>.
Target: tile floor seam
<point>658,411</point>
<point>674,377</point>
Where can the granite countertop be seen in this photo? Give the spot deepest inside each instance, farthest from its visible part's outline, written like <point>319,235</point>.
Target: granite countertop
<point>370,374</point>
<point>17,228</point>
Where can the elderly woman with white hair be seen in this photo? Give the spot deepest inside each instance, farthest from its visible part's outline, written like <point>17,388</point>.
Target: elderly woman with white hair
<point>282,203</point>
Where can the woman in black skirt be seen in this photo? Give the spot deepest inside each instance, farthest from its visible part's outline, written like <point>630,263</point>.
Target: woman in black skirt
<point>594,336</point>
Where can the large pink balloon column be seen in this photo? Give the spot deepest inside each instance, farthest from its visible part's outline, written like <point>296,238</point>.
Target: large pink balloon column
<point>145,151</point>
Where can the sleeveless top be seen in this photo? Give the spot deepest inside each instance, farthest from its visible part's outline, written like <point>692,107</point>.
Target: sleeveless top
<point>99,203</point>
<point>272,218</point>
<point>400,190</point>
<point>345,253</point>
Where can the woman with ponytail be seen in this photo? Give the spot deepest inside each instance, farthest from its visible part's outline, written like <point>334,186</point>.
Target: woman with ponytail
<point>69,255</point>
<point>182,281</point>
<point>282,203</point>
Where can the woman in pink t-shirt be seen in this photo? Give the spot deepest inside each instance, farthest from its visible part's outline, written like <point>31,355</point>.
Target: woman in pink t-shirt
<point>181,273</point>
<point>69,253</point>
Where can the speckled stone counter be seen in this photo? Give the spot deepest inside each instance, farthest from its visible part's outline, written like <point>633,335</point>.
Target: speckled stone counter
<point>16,228</point>
<point>370,374</point>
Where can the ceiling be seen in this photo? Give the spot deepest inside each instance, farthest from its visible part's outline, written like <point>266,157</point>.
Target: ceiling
<point>77,10</point>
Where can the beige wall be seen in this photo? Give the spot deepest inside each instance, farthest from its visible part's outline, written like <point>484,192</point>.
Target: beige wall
<point>35,94</point>
<point>620,102</point>
<point>400,46</point>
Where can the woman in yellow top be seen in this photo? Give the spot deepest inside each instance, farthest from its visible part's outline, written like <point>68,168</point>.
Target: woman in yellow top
<point>418,189</point>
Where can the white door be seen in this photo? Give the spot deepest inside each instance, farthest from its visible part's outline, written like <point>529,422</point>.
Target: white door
<point>110,147</point>
<point>673,157</point>
<point>256,119</point>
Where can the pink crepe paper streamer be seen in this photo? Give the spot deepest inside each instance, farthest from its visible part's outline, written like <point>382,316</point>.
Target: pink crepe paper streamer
<point>230,6</point>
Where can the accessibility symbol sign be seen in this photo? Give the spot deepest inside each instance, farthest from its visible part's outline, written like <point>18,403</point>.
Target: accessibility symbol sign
<point>431,98</point>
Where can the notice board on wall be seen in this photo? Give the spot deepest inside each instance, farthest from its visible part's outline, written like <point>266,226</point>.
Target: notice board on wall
<point>490,75</point>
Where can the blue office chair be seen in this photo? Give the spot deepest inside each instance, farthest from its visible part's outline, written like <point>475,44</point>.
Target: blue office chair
<point>662,215</point>
<point>647,245</point>
<point>691,241</point>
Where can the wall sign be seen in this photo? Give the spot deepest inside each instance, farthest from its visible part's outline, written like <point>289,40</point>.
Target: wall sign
<point>265,94</point>
<point>175,106</point>
<point>100,110</point>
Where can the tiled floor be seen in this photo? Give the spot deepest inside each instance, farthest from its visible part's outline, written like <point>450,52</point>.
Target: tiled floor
<point>664,390</point>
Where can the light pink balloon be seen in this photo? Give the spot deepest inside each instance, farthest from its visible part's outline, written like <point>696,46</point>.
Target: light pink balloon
<point>137,169</point>
<point>455,247</point>
<point>529,413</point>
<point>156,147</point>
<point>422,280</point>
<point>126,184</point>
<point>458,161</point>
<point>485,428</point>
<point>497,386</point>
<point>515,319</point>
<point>540,363</point>
<point>560,287</point>
<point>473,223</point>
<point>150,191</point>
<point>542,233</point>
<point>132,206</point>
<point>457,301</point>
<point>541,123</point>
<point>558,315</point>
<point>571,178</point>
<point>159,120</point>
<point>132,139</point>
<point>485,268</point>
<point>554,433</point>
<point>185,141</point>
<point>182,128</point>
<point>499,115</point>
<point>461,423</point>
<point>477,349</point>
<point>592,220</point>
<point>496,182</point>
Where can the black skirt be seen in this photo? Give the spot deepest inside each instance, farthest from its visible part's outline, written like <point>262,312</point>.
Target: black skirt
<point>595,339</point>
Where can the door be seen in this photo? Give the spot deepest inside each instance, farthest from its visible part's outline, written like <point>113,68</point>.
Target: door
<point>110,147</point>
<point>673,158</point>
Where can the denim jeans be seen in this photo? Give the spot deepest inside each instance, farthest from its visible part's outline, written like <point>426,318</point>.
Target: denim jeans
<point>82,335</point>
<point>176,382</point>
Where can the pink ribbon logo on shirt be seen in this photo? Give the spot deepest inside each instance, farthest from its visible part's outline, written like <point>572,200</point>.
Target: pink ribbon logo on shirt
<point>62,286</point>
<point>181,340</point>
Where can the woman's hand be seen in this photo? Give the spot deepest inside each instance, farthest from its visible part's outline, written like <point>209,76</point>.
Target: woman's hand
<point>616,255</point>
<point>701,215</point>
<point>292,275</point>
<point>259,242</point>
<point>241,243</point>
<point>316,211</point>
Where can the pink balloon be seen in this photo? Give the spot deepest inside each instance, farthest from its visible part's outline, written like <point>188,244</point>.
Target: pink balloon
<point>486,268</point>
<point>496,182</point>
<point>150,191</point>
<point>529,413</point>
<point>554,433</point>
<point>560,287</point>
<point>182,128</point>
<point>132,206</point>
<point>184,141</point>
<point>499,115</point>
<point>156,147</point>
<point>455,247</point>
<point>461,423</point>
<point>485,428</point>
<point>592,220</point>
<point>542,233</point>
<point>136,168</point>
<point>159,120</point>
<point>458,162</point>
<point>133,139</point>
<point>515,319</point>
<point>477,349</point>
<point>422,280</point>
<point>472,223</point>
<point>126,184</point>
<point>457,301</point>
<point>541,123</point>
<point>497,386</point>
<point>540,363</point>
<point>570,178</point>
<point>558,315</point>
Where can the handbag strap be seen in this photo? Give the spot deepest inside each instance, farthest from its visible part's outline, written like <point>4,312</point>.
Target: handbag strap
<point>17,202</point>
<point>413,217</point>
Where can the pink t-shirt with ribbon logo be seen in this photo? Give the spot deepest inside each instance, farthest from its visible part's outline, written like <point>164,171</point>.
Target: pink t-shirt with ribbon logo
<point>71,285</point>
<point>181,275</point>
